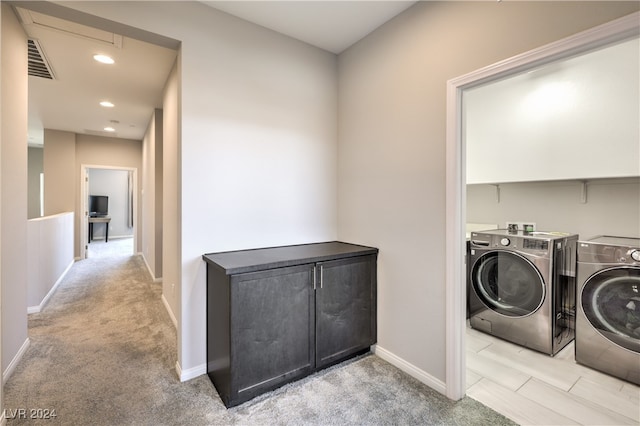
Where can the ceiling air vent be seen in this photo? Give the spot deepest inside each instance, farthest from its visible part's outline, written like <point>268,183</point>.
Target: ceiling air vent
<point>38,65</point>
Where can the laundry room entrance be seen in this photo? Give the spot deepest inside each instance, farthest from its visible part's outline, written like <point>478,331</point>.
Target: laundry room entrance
<point>530,156</point>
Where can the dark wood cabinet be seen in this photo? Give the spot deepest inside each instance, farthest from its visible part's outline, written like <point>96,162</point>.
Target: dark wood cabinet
<point>345,300</point>
<point>278,314</point>
<point>272,329</point>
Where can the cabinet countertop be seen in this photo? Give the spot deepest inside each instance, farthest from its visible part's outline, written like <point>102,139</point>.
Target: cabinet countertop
<point>242,261</point>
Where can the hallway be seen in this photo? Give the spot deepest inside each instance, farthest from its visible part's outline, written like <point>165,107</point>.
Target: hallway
<point>103,351</point>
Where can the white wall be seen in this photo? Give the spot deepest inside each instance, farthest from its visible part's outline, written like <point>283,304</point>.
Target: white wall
<point>392,147</point>
<point>50,242</point>
<point>258,150</point>
<point>114,184</point>
<point>578,118</point>
<point>13,177</point>
<point>256,158</point>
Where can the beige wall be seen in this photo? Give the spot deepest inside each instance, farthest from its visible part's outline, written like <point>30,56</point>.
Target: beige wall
<point>612,206</point>
<point>34,168</point>
<point>13,190</point>
<point>151,207</point>
<point>59,164</point>
<point>64,155</point>
<point>171,243</point>
<point>158,190</point>
<point>391,158</point>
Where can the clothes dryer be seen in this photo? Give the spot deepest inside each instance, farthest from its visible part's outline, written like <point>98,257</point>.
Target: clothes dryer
<point>608,317</point>
<point>522,287</point>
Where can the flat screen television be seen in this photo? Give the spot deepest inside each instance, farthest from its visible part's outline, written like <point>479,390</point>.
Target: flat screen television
<point>98,205</point>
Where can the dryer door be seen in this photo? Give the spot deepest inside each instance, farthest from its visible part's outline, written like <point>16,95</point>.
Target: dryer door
<point>508,283</point>
<point>611,302</point>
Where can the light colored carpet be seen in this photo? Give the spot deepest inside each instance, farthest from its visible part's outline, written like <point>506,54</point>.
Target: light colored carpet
<point>113,247</point>
<point>103,352</point>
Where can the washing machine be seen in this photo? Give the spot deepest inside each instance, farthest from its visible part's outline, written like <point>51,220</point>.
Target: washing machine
<point>608,317</point>
<point>522,287</point>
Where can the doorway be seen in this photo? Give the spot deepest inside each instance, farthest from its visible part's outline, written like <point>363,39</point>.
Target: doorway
<point>600,36</point>
<point>115,230</point>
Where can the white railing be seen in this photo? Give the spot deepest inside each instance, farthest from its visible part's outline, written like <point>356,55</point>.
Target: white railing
<point>50,248</point>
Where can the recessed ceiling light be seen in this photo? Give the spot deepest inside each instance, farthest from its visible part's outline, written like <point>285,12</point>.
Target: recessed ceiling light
<point>104,59</point>
<point>109,129</point>
<point>107,104</point>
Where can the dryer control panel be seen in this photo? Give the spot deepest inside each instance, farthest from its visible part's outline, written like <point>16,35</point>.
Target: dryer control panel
<point>610,250</point>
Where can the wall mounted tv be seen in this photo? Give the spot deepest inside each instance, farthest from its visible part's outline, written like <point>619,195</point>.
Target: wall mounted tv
<point>98,205</point>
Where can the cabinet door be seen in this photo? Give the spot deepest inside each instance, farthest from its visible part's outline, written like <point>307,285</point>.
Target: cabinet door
<point>345,308</point>
<point>272,329</point>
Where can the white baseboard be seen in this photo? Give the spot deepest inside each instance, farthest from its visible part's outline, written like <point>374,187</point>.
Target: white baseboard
<point>14,362</point>
<point>410,369</point>
<point>191,373</point>
<point>112,237</point>
<point>170,312</point>
<point>391,358</point>
<point>36,309</point>
<point>153,277</point>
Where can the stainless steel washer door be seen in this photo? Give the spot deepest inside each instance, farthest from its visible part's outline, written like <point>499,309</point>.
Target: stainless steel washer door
<point>508,283</point>
<point>611,302</point>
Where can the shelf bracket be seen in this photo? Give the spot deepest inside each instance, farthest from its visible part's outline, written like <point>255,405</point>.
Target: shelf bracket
<point>583,192</point>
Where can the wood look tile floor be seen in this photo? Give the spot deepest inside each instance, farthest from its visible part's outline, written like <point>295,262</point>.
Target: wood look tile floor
<point>532,388</point>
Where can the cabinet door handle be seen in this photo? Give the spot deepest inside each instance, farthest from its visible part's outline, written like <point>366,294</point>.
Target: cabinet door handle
<point>321,277</point>
<point>314,277</point>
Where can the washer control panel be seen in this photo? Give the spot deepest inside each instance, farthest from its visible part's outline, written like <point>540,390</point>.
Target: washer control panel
<point>540,244</point>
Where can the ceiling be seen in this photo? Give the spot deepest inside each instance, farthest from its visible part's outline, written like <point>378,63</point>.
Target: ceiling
<point>134,84</point>
<point>70,101</point>
<point>329,25</point>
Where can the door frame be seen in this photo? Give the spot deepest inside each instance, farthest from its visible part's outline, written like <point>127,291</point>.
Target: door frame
<point>84,208</point>
<point>615,31</point>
